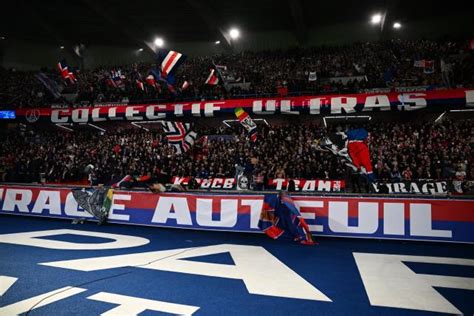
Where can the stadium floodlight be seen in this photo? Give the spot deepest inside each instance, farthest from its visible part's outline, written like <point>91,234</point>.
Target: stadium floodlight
<point>376,18</point>
<point>159,42</point>
<point>217,42</point>
<point>397,25</point>
<point>234,33</point>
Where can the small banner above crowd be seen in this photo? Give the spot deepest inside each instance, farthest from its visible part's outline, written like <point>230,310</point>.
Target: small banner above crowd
<point>278,184</point>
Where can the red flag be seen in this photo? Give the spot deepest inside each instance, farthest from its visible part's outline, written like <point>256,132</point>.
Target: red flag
<point>212,79</point>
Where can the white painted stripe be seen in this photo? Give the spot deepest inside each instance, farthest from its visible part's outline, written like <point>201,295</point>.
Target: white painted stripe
<point>41,300</point>
<point>129,305</point>
<point>5,283</point>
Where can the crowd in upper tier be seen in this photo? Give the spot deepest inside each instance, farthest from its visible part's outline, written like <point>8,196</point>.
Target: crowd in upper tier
<point>369,65</point>
<point>399,151</point>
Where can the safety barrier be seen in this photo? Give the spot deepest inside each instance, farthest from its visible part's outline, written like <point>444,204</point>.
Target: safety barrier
<point>436,219</point>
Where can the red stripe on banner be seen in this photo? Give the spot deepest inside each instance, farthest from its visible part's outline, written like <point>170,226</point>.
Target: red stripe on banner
<point>295,102</point>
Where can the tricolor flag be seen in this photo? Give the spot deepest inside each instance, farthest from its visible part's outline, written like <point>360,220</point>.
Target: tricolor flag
<point>212,79</point>
<point>66,74</point>
<point>247,123</point>
<point>169,61</point>
<point>179,135</point>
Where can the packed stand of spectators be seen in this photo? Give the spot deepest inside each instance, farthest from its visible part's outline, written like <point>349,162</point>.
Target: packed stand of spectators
<point>399,152</point>
<point>374,64</point>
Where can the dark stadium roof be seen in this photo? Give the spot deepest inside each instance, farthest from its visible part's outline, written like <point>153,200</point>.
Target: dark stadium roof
<point>119,22</point>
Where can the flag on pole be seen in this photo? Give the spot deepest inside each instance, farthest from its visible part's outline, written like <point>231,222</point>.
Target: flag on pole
<point>212,79</point>
<point>247,123</point>
<point>169,61</point>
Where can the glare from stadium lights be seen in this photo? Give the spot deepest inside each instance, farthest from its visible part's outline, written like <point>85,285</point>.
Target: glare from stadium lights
<point>376,19</point>
<point>234,33</point>
<point>217,42</point>
<point>397,25</point>
<point>61,47</point>
<point>140,49</point>
<point>159,42</point>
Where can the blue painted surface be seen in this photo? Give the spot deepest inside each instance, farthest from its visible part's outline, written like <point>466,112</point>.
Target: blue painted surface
<point>329,266</point>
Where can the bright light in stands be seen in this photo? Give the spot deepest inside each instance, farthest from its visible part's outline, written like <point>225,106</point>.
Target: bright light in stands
<point>61,47</point>
<point>376,19</point>
<point>397,25</point>
<point>234,33</point>
<point>140,49</point>
<point>159,42</point>
<point>2,37</point>
<point>217,42</point>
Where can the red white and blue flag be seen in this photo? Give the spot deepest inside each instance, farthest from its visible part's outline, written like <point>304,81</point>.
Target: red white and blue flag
<point>281,218</point>
<point>169,61</point>
<point>66,74</point>
<point>179,135</point>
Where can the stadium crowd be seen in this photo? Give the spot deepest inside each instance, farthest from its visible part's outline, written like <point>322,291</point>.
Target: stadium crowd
<point>399,152</point>
<point>369,65</point>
